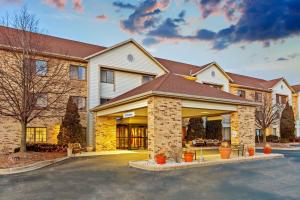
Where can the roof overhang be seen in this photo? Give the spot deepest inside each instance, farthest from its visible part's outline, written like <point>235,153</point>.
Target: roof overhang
<point>173,95</point>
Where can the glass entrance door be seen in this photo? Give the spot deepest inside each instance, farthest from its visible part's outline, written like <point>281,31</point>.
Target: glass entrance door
<point>132,137</point>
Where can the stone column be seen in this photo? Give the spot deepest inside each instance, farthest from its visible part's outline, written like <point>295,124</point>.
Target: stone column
<point>105,133</point>
<point>164,126</point>
<point>243,126</point>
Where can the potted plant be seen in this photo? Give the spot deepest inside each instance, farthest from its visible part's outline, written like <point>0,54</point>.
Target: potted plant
<point>188,156</point>
<point>267,149</point>
<point>225,150</point>
<point>251,151</point>
<point>160,158</point>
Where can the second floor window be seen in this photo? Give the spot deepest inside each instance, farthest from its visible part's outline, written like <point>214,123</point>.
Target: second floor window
<point>241,93</point>
<point>107,76</point>
<point>258,97</point>
<point>146,79</point>
<point>41,67</point>
<point>77,72</point>
<point>281,99</point>
<point>42,100</point>
<point>80,102</point>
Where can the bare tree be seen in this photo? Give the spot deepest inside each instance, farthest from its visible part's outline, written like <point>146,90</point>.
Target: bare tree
<point>267,114</point>
<point>31,85</point>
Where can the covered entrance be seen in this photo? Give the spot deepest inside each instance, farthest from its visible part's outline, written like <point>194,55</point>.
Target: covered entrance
<point>163,104</point>
<point>132,136</point>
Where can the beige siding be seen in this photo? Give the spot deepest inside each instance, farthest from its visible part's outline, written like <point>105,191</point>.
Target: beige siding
<point>219,78</point>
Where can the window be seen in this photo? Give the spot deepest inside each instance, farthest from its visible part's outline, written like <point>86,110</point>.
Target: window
<point>77,72</point>
<point>281,99</point>
<point>220,87</point>
<point>103,100</point>
<point>80,102</point>
<point>107,76</point>
<point>146,79</point>
<point>41,67</point>
<point>258,97</point>
<point>36,135</point>
<point>41,100</point>
<point>241,93</point>
<point>213,73</point>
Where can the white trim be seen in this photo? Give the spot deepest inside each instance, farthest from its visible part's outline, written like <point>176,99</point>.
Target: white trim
<point>208,105</point>
<point>126,107</point>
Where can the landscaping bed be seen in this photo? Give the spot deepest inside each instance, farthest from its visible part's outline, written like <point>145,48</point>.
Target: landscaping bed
<point>22,159</point>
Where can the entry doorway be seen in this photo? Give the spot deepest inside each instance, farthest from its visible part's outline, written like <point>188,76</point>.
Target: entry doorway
<point>132,136</point>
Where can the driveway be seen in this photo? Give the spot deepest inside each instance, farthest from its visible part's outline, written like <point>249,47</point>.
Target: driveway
<point>109,177</point>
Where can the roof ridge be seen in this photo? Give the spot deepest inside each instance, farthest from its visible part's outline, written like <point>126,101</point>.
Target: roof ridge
<point>53,36</point>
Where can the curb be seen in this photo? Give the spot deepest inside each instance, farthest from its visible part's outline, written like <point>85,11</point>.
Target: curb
<point>31,167</point>
<point>136,164</point>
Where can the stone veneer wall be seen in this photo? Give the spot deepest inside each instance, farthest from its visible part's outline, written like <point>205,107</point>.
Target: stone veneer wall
<point>105,133</point>
<point>164,126</point>
<point>10,130</point>
<point>243,125</point>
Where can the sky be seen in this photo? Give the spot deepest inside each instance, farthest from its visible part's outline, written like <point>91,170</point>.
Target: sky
<point>260,38</point>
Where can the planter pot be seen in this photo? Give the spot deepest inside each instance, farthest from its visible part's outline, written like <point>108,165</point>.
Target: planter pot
<point>251,151</point>
<point>225,152</point>
<point>188,157</point>
<point>89,149</point>
<point>267,150</point>
<point>160,159</point>
<point>69,152</point>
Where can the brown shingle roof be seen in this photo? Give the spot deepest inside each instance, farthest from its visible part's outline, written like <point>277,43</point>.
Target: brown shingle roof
<point>55,45</point>
<point>296,88</point>
<point>179,86</point>
<point>179,67</point>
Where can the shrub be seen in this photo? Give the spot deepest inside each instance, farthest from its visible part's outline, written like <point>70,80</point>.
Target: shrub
<point>272,138</point>
<point>287,123</point>
<point>44,147</point>
<point>195,128</point>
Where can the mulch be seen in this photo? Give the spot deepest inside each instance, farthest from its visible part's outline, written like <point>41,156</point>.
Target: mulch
<point>22,159</point>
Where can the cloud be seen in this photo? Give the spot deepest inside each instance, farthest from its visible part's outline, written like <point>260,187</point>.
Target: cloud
<point>259,21</point>
<point>288,57</point>
<point>77,5</point>
<point>145,16</point>
<point>61,4</point>
<point>281,59</point>
<point>102,17</point>
<point>122,5</point>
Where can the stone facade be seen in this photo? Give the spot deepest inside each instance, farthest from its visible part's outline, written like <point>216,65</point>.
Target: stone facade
<point>10,129</point>
<point>243,126</point>
<point>164,126</point>
<point>105,133</point>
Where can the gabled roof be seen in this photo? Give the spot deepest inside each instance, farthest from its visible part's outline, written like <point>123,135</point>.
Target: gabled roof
<point>124,43</point>
<point>179,87</point>
<point>296,88</point>
<point>216,65</point>
<point>56,45</point>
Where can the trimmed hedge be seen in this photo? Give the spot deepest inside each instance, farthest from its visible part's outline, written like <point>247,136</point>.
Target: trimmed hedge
<point>44,147</point>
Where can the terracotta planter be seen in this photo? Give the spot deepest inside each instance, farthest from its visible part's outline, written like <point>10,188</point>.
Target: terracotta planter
<point>267,150</point>
<point>251,151</point>
<point>160,159</point>
<point>225,152</point>
<point>188,157</point>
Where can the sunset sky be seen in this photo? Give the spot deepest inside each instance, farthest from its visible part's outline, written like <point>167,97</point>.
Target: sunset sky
<point>260,38</point>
